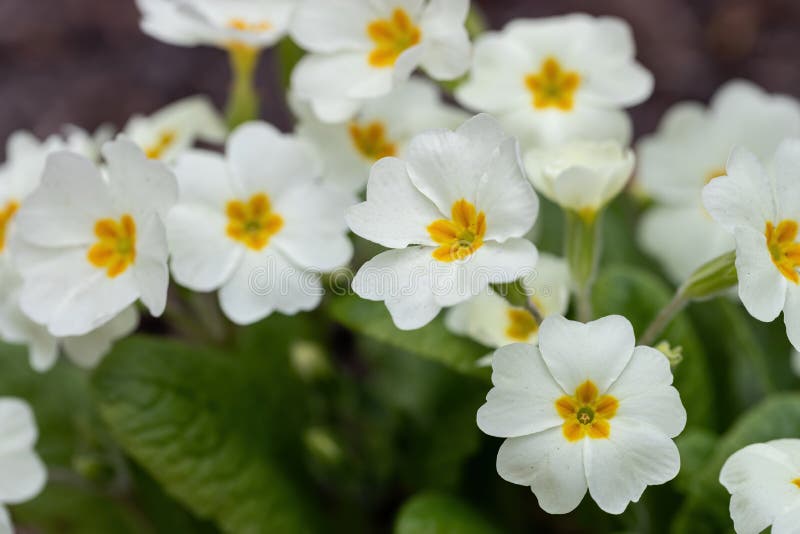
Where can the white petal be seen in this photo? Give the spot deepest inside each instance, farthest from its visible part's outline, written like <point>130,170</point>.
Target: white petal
<point>682,239</point>
<point>87,350</point>
<point>203,256</point>
<point>150,269</point>
<point>24,476</point>
<point>597,351</point>
<point>506,196</point>
<point>622,85</point>
<point>63,210</point>
<point>401,278</point>
<point>791,315</point>
<point>346,75</point>
<point>634,456</point>
<point>204,180</point>
<point>744,196</point>
<point>184,121</point>
<point>17,426</point>
<point>395,214</point>
<point>550,465</point>
<point>762,287</point>
<point>448,166</point>
<point>16,327</point>
<point>70,295</point>
<point>548,286</point>
<point>314,233</point>
<point>495,83</point>
<point>493,263</point>
<point>447,47</point>
<point>5,521</point>
<point>786,166</point>
<point>266,282</point>
<point>137,184</point>
<point>267,161</point>
<point>522,400</point>
<point>332,25</point>
<point>645,393</point>
<point>483,318</point>
<point>759,478</point>
<point>788,521</point>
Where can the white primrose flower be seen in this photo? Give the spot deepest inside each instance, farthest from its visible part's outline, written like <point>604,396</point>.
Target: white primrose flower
<point>361,49</point>
<point>175,128</point>
<point>761,208</point>
<point>257,225</point>
<point>44,348</point>
<point>493,321</point>
<point>382,128</point>
<point>584,409</point>
<point>251,23</point>
<point>22,472</point>
<point>87,246</point>
<point>552,80</point>
<point>689,150</point>
<point>581,176</point>
<point>454,212</point>
<point>20,175</point>
<point>764,482</point>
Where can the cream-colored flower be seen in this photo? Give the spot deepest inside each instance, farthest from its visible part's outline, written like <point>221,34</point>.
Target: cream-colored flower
<point>493,321</point>
<point>382,128</point>
<point>222,23</point>
<point>362,49</point>
<point>689,149</point>
<point>581,176</point>
<point>584,410</point>
<point>559,79</point>
<point>764,482</point>
<point>760,207</point>
<point>165,134</point>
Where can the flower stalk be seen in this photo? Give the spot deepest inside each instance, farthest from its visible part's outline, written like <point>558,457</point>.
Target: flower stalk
<point>709,280</point>
<point>581,249</point>
<point>243,104</point>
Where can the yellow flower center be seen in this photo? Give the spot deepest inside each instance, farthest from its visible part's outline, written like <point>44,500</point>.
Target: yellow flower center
<point>392,37</point>
<point>6,214</point>
<point>253,222</point>
<point>715,173</point>
<point>115,249</point>
<point>370,140</point>
<point>552,86</point>
<point>162,144</point>
<point>460,236</point>
<point>796,482</point>
<point>247,26</point>
<point>586,413</point>
<point>521,324</point>
<point>784,248</point>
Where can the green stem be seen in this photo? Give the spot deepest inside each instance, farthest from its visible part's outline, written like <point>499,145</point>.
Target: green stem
<point>243,104</point>
<point>663,318</point>
<point>709,280</point>
<point>581,249</point>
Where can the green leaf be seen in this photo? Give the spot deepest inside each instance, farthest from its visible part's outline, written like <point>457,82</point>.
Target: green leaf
<point>695,446</point>
<point>432,341</point>
<point>66,509</point>
<point>639,295</point>
<point>775,418</point>
<point>434,513</point>
<point>60,401</point>
<point>201,423</point>
<point>743,369</point>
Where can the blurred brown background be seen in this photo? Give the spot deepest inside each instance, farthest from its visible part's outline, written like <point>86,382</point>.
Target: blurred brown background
<point>86,62</point>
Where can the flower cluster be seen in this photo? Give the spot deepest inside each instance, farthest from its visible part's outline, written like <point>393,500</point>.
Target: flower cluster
<point>439,213</point>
